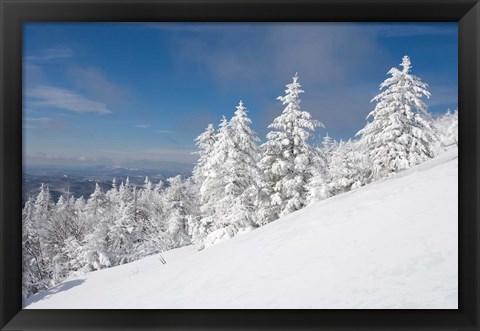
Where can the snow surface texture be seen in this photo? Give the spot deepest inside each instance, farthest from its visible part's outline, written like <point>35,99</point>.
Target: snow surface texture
<point>391,244</point>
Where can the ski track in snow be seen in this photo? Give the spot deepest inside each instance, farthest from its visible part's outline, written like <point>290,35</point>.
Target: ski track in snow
<point>391,244</point>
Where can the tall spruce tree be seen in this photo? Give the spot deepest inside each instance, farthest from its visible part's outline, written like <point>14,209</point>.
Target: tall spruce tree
<point>34,272</point>
<point>178,208</point>
<point>401,133</point>
<point>244,176</point>
<point>204,142</point>
<point>212,189</point>
<point>318,187</point>
<point>287,157</point>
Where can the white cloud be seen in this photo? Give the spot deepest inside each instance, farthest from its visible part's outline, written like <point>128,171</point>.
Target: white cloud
<point>60,98</point>
<point>94,82</point>
<point>142,126</point>
<point>42,158</point>
<point>50,54</point>
<point>210,27</point>
<point>443,95</point>
<point>44,123</point>
<point>163,131</point>
<point>36,123</point>
<point>409,30</point>
<point>176,154</point>
<point>174,160</point>
<point>322,53</point>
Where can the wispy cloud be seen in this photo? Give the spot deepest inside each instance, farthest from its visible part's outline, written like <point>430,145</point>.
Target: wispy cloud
<point>387,30</point>
<point>160,159</point>
<point>60,98</point>
<point>176,154</point>
<point>163,131</point>
<point>36,123</point>
<point>410,30</point>
<point>443,95</point>
<point>142,126</point>
<point>95,82</point>
<point>41,158</point>
<point>50,54</point>
<point>113,151</point>
<point>322,53</point>
<point>44,123</point>
<point>210,27</point>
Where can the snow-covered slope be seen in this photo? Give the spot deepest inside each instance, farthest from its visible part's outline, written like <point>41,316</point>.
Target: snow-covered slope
<point>392,244</point>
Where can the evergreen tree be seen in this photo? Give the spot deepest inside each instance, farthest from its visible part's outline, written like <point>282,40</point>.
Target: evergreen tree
<point>243,177</point>
<point>349,169</point>
<point>34,271</point>
<point>318,187</point>
<point>178,208</point>
<point>212,190</point>
<point>204,142</point>
<point>112,194</point>
<point>44,207</point>
<point>151,220</point>
<point>452,130</point>
<point>43,215</point>
<point>446,127</point>
<point>235,158</point>
<point>401,134</point>
<point>66,225</point>
<point>287,157</point>
<point>97,203</point>
<point>328,147</point>
<point>41,240</point>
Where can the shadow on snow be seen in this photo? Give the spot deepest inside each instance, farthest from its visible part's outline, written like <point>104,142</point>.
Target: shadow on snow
<point>65,286</point>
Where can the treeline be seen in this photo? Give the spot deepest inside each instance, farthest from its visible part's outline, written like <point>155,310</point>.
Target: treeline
<point>236,185</point>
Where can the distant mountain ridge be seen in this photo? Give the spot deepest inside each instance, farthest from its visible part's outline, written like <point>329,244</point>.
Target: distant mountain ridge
<point>81,181</point>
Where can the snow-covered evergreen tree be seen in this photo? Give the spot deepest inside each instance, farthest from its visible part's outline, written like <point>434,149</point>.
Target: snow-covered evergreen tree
<point>178,208</point>
<point>287,158</point>
<point>204,142</point>
<point>318,187</point>
<point>112,194</point>
<point>235,209</point>
<point>212,189</point>
<point>244,177</point>
<point>111,240</point>
<point>245,153</point>
<point>97,202</point>
<point>35,275</point>
<point>44,207</point>
<point>349,167</point>
<point>401,133</point>
<point>453,130</point>
<point>125,228</point>
<point>46,226</point>
<point>150,219</point>
<point>446,127</point>
<point>66,224</point>
<point>328,147</point>
<point>43,214</point>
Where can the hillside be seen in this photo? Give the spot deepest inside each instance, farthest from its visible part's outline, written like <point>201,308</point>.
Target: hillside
<point>391,244</point>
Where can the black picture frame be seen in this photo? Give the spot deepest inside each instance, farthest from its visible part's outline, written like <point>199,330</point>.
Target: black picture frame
<point>15,12</point>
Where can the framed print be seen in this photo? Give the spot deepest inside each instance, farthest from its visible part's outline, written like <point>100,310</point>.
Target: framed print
<point>239,164</point>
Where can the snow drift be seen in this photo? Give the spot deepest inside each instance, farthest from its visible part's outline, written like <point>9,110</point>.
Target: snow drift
<point>391,244</point>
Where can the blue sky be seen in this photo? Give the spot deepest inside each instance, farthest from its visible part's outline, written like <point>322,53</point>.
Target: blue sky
<point>137,94</point>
